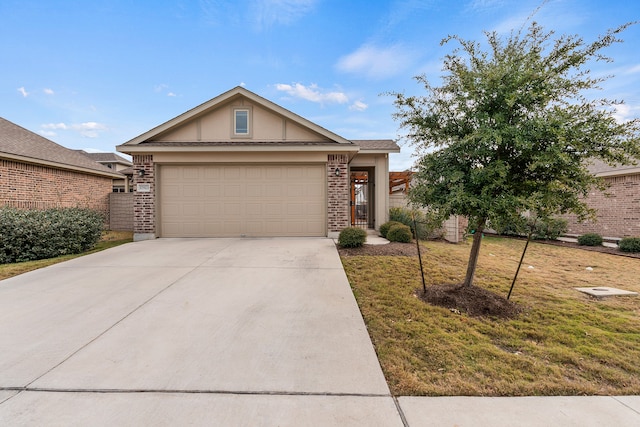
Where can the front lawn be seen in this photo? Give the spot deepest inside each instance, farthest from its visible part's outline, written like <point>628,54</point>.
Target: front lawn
<point>564,342</point>
<point>109,239</point>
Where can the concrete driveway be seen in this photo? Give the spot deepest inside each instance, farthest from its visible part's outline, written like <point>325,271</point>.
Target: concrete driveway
<point>190,331</point>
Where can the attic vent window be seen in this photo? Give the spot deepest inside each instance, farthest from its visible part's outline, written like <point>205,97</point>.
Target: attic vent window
<point>241,122</point>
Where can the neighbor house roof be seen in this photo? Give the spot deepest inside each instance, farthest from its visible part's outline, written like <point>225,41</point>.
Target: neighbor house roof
<point>600,168</point>
<point>106,158</point>
<point>20,144</point>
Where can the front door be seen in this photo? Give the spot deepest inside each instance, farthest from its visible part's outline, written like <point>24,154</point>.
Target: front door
<point>359,199</point>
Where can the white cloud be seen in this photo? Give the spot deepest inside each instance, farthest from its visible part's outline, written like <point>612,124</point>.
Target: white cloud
<point>625,112</point>
<point>377,62</point>
<point>23,91</point>
<point>358,106</point>
<point>49,91</point>
<point>48,133</point>
<point>86,129</point>
<point>171,94</point>
<point>313,93</point>
<point>54,126</point>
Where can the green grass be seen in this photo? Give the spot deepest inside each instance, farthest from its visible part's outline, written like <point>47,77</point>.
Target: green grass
<point>109,239</point>
<point>564,343</point>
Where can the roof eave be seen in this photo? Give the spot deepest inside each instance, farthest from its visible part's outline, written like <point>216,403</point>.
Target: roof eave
<point>56,165</point>
<point>336,148</point>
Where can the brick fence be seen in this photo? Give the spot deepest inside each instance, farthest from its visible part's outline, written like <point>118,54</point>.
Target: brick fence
<point>121,211</point>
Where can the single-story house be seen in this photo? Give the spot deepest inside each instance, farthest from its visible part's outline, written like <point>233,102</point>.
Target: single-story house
<point>618,207</point>
<point>36,173</point>
<point>241,165</point>
<point>116,163</point>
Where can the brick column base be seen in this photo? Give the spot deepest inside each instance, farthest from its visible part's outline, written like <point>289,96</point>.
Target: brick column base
<point>144,208</point>
<point>338,193</point>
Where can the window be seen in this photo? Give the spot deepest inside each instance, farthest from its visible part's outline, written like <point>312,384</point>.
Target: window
<point>241,122</point>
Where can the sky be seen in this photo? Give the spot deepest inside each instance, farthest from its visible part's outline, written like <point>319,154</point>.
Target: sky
<point>94,74</point>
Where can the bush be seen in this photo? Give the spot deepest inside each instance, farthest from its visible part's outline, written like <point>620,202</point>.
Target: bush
<point>590,239</point>
<point>27,235</point>
<point>384,228</point>
<point>399,233</point>
<point>630,244</point>
<point>352,237</point>
<point>426,222</point>
<point>549,229</point>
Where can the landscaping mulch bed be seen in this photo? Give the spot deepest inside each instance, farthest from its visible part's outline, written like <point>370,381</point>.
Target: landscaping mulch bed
<point>471,300</point>
<point>390,249</point>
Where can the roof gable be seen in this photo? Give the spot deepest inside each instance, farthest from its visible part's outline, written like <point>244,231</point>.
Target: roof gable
<point>23,145</point>
<point>212,121</point>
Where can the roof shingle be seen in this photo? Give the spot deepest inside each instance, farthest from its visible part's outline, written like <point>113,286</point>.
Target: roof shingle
<point>18,141</point>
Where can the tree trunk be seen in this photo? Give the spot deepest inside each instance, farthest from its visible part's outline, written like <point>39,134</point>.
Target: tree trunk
<point>475,251</point>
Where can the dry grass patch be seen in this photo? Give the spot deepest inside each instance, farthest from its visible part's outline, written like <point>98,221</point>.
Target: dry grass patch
<point>109,239</point>
<point>563,343</point>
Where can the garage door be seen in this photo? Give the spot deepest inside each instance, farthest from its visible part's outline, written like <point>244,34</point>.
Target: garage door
<point>242,200</point>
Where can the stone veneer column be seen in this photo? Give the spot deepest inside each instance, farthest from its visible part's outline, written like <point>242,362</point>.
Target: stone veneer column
<point>338,193</point>
<point>144,209</point>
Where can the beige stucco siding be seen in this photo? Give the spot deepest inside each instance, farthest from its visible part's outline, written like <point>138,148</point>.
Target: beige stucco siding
<point>216,125</point>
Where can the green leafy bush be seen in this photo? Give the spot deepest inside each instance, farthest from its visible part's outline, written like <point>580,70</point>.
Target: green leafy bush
<point>549,229</point>
<point>384,228</point>
<point>400,233</point>
<point>630,244</point>
<point>27,235</point>
<point>427,222</point>
<point>352,237</point>
<point>590,239</point>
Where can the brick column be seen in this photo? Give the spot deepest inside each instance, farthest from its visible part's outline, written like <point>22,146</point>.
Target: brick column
<point>338,193</point>
<point>144,209</point>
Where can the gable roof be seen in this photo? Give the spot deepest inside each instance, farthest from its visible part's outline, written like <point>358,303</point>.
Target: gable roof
<point>106,158</point>
<point>600,168</point>
<point>20,144</point>
<point>230,95</point>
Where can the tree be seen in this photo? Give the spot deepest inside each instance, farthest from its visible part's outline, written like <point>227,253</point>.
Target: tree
<point>511,129</point>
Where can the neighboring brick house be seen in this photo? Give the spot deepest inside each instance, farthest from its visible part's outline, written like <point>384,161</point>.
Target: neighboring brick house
<point>241,165</point>
<point>36,173</point>
<point>115,163</point>
<point>618,208</point>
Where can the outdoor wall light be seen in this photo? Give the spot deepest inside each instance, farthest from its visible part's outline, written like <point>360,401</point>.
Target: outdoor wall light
<point>337,172</point>
<point>141,173</point>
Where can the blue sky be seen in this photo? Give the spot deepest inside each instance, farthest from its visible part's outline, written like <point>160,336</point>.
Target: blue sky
<point>94,74</point>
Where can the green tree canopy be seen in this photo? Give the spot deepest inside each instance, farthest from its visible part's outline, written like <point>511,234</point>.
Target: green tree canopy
<point>511,129</point>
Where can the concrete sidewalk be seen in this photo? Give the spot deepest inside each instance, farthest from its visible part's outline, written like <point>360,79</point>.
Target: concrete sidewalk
<point>233,332</point>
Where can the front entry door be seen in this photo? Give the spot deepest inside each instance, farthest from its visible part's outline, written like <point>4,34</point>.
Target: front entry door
<point>359,199</point>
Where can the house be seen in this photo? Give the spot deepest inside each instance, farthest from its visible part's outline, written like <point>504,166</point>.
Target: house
<point>241,165</point>
<point>36,173</point>
<point>617,208</point>
<point>118,164</point>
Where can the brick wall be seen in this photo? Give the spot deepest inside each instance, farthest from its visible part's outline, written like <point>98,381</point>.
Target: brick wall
<point>144,213</point>
<point>338,193</point>
<point>28,186</point>
<point>121,211</point>
<point>617,215</point>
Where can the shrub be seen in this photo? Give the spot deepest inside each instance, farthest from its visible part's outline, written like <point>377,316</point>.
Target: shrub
<point>630,244</point>
<point>590,239</point>
<point>549,229</point>
<point>384,228</point>
<point>352,237</point>
<point>399,233</point>
<point>27,235</point>
<point>427,222</point>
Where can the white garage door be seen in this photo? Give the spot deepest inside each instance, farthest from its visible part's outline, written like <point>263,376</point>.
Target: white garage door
<point>242,200</point>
